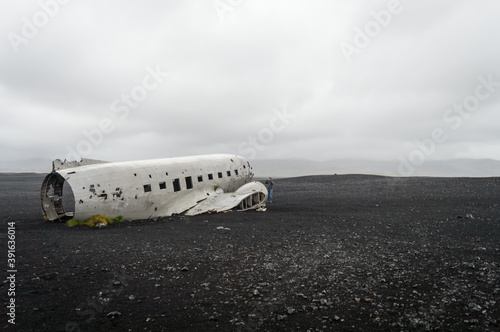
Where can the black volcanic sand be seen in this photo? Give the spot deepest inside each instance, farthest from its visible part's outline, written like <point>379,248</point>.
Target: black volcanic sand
<point>350,253</point>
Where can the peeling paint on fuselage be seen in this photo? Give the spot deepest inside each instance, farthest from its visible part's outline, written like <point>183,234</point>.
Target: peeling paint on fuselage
<point>144,189</point>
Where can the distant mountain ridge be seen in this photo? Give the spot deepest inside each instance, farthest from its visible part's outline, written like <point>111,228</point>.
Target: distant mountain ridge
<point>439,168</point>
<point>34,165</point>
<point>300,167</point>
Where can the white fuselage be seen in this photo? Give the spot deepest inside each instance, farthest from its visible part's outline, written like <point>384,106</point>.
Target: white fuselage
<point>143,189</point>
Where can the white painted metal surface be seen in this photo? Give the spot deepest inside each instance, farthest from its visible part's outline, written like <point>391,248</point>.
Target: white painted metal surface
<point>248,196</point>
<point>152,188</point>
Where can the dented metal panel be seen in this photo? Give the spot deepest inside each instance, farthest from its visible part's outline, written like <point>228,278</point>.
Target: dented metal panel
<point>250,196</point>
<point>147,188</point>
<point>58,164</point>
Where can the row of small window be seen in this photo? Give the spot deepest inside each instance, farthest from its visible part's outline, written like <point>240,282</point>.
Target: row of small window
<point>189,181</point>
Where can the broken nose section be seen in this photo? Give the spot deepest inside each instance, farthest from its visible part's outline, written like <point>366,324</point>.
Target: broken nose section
<point>51,195</point>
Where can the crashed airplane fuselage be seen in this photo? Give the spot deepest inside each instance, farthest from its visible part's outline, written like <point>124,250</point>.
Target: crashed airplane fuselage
<point>151,188</point>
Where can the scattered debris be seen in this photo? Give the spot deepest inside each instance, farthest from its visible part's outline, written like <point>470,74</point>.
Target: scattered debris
<point>113,314</point>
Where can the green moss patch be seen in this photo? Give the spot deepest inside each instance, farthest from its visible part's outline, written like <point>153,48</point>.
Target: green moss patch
<point>98,220</point>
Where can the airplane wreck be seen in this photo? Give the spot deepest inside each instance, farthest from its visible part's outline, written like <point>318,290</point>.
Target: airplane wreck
<point>150,188</point>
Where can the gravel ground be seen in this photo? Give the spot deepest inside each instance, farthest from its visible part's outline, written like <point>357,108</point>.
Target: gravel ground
<point>341,253</point>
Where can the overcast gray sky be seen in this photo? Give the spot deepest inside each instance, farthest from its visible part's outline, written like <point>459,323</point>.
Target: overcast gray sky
<point>125,80</point>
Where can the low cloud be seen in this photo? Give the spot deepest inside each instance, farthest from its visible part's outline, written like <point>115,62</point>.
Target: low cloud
<point>227,76</point>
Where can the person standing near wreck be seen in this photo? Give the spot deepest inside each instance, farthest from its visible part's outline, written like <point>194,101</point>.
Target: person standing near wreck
<point>269,186</point>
